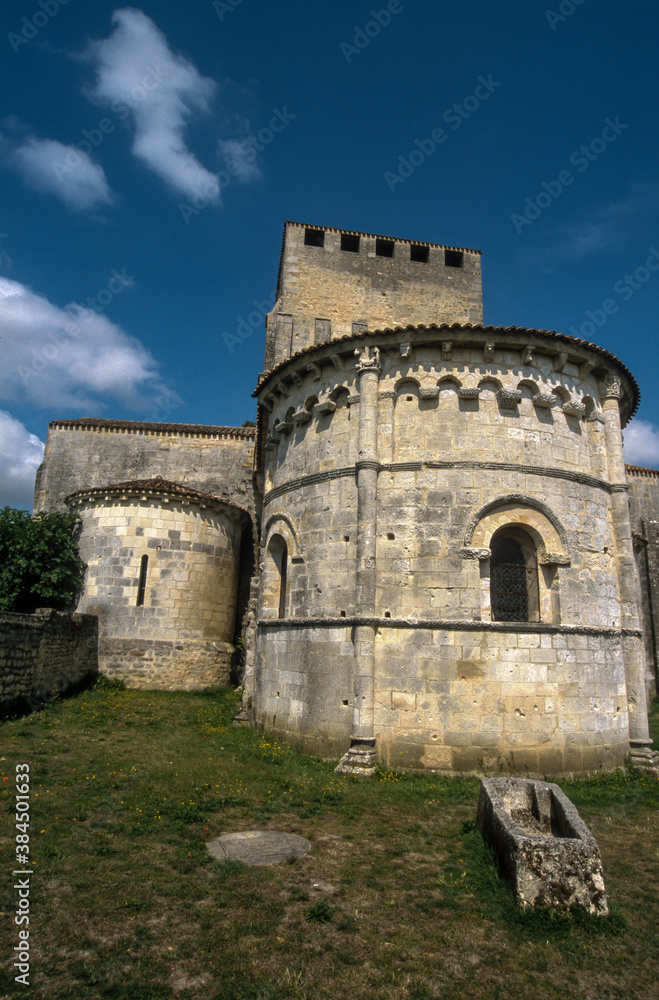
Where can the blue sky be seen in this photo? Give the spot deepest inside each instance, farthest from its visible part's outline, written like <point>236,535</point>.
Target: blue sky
<point>149,156</point>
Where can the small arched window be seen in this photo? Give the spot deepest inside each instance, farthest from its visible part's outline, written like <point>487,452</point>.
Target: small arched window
<point>277,581</point>
<point>283,573</point>
<point>514,590</point>
<point>141,584</point>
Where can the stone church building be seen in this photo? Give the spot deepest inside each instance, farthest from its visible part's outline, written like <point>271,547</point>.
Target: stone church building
<point>429,544</point>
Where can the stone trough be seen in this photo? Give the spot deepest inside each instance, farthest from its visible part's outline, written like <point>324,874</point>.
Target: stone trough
<point>546,852</point>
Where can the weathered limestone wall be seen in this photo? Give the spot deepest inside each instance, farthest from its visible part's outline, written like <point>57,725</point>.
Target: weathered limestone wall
<point>471,436</point>
<point>326,292</point>
<point>644,508</point>
<point>181,637</point>
<point>44,654</point>
<point>87,453</point>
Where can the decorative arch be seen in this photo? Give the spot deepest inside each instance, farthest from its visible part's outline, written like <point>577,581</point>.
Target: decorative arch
<point>528,388</point>
<point>281,524</point>
<point>281,550</point>
<point>535,516</point>
<point>491,383</point>
<point>519,543</point>
<point>407,383</point>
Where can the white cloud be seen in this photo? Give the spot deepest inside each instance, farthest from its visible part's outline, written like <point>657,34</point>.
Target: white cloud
<point>71,175</point>
<point>71,357</point>
<point>240,158</point>
<point>137,74</point>
<point>642,444</point>
<point>20,456</point>
<point>610,225</point>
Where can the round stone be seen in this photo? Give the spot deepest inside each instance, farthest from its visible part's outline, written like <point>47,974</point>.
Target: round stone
<point>258,847</point>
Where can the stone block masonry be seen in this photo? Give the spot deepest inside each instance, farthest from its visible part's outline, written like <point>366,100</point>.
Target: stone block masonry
<point>44,654</point>
<point>333,282</point>
<point>88,453</point>
<point>644,512</point>
<point>162,572</point>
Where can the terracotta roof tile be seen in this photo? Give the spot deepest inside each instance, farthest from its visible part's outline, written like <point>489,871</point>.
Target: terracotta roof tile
<point>552,334</point>
<point>155,487</point>
<point>139,425</point>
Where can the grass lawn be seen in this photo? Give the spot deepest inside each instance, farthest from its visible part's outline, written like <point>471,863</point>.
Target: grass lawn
<point>398,898</point>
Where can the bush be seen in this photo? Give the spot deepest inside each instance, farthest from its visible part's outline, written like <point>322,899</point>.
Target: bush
<point>39,562</point>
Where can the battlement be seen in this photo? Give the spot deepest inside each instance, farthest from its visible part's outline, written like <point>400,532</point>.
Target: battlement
<point>335,282</point>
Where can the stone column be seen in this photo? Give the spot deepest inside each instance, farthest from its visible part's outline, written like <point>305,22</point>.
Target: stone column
<point>386,426</point>
<point>361,758</point>
<point>628,583</point>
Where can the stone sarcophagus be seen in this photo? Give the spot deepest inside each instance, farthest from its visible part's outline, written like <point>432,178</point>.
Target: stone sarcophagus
<point>546,852</point>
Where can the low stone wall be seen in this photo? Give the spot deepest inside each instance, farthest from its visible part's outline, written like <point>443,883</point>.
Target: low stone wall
<point>43,654</point>
<point>162,665</point>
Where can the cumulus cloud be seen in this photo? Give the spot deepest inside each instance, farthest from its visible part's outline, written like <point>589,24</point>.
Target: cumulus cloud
<point>20,456</point>
<point>71,175</point>
<point>72,357</point>
<point>138,75</point>
<point>642,444</point>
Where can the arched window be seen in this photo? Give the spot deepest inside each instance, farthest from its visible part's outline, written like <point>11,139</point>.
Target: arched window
<point>141,584</point>
<point>276,575</point>
<point>514,590</point>
<point>283,573</point>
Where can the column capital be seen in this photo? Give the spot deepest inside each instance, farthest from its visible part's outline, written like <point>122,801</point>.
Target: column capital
<point>368,359</point>
<point>610,387</point>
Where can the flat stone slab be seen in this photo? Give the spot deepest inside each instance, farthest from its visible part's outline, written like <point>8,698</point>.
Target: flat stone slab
<point>545,850</point>
<point>258,847</point>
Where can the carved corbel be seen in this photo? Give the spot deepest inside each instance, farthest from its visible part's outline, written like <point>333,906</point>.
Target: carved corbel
<point>283,390</point>
<point>337,361</point>
<point>324,406</point>
<point>268,403</point>
<point>574,408</point>
<point>314,371</point>
<point>297,378</point>
<point>447,350</point>
<point>545,400</point>
<point>488,351</point>
<point>509,399</point>
<point>405,350</point>
<point>527,355</point>
<point>560,361</point>
<point>480,554</point>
